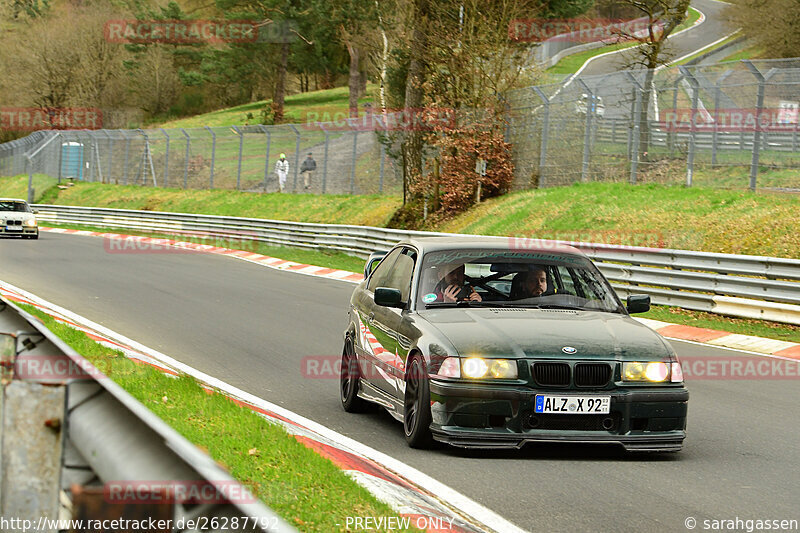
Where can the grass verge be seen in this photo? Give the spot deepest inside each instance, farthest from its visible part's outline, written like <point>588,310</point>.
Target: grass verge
<point>307,490</point>
<point>759,328</point>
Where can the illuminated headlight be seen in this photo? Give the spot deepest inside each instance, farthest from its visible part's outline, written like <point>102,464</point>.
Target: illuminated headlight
<point>478,367</point>
<point>31,222</point>
<point>654,372</point>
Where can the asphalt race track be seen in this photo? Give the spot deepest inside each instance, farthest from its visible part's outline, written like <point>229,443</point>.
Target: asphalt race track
<point>251,326</point>
<point>714,28</point>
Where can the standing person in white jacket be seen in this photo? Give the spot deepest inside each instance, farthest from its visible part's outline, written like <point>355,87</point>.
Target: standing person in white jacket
<point>282,170</point>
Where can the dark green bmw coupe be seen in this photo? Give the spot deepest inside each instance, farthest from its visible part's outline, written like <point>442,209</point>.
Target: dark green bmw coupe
<point>483,343</point>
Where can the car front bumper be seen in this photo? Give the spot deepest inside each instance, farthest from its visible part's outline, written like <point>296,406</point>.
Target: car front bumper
<point>502,416</point>
<point>26,230</point>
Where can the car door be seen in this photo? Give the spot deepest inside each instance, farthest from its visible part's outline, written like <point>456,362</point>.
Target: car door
<point>389,346</point>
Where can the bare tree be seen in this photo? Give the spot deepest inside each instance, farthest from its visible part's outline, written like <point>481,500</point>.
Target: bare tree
<point>773,24</point>
<point>662,18</point>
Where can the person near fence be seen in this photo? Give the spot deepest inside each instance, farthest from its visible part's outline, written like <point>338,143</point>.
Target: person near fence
<point>282,170</point>
<point>307,169</point>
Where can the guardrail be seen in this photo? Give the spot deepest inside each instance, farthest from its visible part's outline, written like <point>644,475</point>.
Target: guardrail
<point>737,285</point>
<point>67,434</point>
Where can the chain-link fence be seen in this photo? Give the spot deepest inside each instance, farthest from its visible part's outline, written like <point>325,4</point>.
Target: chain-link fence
<point>347,160</point>
<point>732,124</point>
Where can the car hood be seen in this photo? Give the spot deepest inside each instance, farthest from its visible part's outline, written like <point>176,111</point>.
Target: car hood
<point>543,333</point>
<point>15,215</point>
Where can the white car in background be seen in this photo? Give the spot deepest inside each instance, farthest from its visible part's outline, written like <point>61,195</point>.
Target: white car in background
<point>17,219</point>
<point>592,102</point>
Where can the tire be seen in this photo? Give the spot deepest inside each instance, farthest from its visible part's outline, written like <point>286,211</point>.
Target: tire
<point>417,406</point>
<point>349,377</point>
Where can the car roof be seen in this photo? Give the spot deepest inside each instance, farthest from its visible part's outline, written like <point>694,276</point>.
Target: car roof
<point>432,244</point>
<point>13,200</point>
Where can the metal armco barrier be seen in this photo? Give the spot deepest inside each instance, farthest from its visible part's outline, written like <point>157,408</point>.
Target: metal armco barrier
<point>66,432</point>
<point>736,285</point>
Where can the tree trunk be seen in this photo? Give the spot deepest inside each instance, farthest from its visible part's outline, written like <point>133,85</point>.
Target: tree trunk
<point>362,82</point>
<point>280,84</point>
<point>644,130</point>
<point>354,82</point>
<point>412,146</point>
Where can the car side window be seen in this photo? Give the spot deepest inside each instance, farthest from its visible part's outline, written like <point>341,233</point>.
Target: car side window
<point>400,275</point>
<point>378,276</point>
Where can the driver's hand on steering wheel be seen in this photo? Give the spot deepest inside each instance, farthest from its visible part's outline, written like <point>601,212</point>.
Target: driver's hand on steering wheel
<point>475,297</point>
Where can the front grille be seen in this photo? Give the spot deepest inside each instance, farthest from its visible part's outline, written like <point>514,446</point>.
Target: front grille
<point>608,422</point>
<point>551,374</point>
<point>592,374</point>
<point>13,223</point>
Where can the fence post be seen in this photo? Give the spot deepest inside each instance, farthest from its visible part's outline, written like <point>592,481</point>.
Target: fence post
<point>239,169</point>
<point>692,130</point>
<point>127,151</point>
<point>266,159</point>
<point>325,159</point>
<point>110,154</point>
<point>353,166</point>
<point>186,160</point>
<point>213,156</point>
<point>383,159</point>
<point>717,91</point>
<point>166,159</point>
<point>634,132</point>
<point>60,156</point>
<point>545,135</point>
<point>587,134</point>
<point>672,134</point>
<point>762,81</point>
<point>296,155</point>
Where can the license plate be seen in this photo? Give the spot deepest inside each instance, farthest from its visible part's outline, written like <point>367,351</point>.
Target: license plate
<point>13,228</point>
<point>572,405</point>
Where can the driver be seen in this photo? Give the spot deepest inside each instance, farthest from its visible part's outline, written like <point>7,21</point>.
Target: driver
<point>451,288</point>
<point>532,283</point>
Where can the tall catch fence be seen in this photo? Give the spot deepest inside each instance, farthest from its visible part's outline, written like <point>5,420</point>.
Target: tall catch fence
<point>731,125</point>
<point>348,160</point>
<point>728,125</point>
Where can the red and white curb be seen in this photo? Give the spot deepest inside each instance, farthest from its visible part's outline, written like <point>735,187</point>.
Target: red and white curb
<point>427,503</point>
<point>724,339</point>
<point>748,343</point>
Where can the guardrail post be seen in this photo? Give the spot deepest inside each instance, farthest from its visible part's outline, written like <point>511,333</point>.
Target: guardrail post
<point>545,135</point>
<point>717,91</point>
<point>266,160</point>
<point>166,158</point>
<point>762,81</point>
<point>213,156</point>
<point>239,168</point>
<point>186,159</point>
<point>296,155</point>
<point>692,129</point>
<point>587,135</point>
<point>325,160</point>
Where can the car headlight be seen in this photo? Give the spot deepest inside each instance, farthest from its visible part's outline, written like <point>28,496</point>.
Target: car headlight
<point>653,372</point>
<point>31,222</point>
<point>478,367</point>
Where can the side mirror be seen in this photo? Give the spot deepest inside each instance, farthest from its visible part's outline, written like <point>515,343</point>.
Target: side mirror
<point>386,297</point>
<point>638,303</point>
<point>35,211</point>
<point>372,262</point>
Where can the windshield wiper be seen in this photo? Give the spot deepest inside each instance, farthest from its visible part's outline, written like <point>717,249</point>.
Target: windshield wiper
<point>467,303</point>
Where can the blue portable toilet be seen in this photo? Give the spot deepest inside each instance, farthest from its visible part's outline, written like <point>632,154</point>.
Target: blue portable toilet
<point>72,160</point>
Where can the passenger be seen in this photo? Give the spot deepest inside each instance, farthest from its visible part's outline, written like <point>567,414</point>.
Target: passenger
<point>451,287</point>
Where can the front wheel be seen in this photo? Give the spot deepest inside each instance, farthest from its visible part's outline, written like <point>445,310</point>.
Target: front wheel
<point>417,413</point>
<point>349,377</point>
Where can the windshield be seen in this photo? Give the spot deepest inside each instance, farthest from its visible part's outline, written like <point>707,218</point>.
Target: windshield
<point>497,278</point>
<point>14,206</point>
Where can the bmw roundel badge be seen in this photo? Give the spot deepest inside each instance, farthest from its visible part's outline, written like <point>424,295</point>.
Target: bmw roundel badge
<point>569,350</point>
